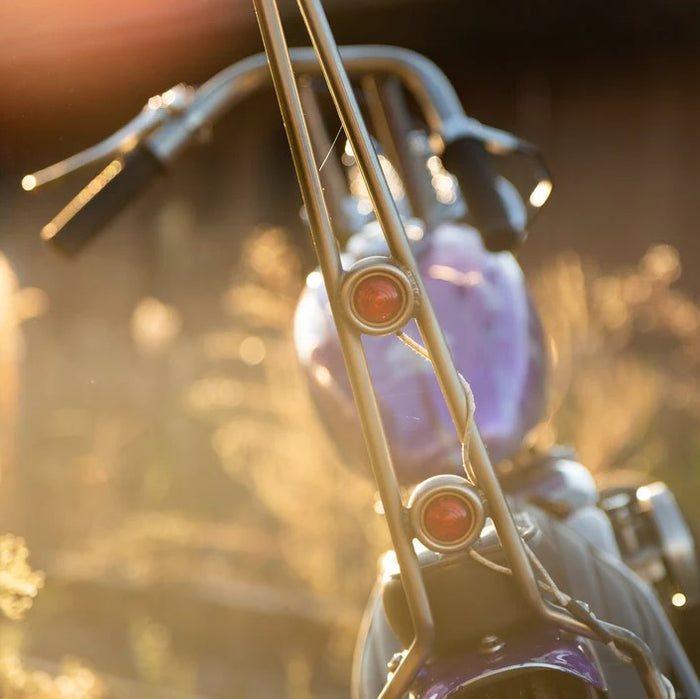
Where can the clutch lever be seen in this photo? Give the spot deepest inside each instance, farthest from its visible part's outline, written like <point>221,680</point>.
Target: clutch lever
<point>154,114</point>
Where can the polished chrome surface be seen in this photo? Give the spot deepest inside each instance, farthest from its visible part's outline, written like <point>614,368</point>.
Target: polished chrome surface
<point>491,645</point>
<point>156,112</point>
<point>675,540</point>
<point>431,488</point>
<point>421,77</point>
<point>361,270</point>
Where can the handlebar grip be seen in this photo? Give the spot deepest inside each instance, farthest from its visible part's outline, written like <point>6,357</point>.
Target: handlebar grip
<point>467,159</point>
<point>101,200</point>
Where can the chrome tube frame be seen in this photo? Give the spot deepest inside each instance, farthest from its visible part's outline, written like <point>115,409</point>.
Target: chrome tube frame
<point>168,130</point>
<point>427,84</point>
<point>336,76</point>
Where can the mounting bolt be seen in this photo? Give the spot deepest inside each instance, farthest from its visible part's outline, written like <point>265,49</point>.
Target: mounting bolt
<point>490,645</point>
<point>393,664</point>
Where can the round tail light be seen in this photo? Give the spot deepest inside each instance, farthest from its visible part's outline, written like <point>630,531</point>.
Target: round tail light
<point>447,514</point>
<point>378,296</point>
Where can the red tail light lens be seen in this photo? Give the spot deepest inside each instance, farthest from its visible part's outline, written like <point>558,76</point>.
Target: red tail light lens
<point>446,513</point>
<point>448,518</point>
<point>377,298</point>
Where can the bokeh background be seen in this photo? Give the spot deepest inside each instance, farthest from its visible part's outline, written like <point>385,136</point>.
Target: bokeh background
<point>159,454</point>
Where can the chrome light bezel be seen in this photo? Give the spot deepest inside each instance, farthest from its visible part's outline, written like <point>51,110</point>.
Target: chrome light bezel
<point>426,492</point>
<point>382,266</point>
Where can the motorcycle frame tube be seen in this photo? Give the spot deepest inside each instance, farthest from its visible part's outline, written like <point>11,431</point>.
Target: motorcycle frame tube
<point>445,370</point>
<point>329,258</point>
<point>390,118</point>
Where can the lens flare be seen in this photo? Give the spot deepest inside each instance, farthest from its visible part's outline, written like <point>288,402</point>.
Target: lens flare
<point>28,183</point>
<point>679,600</point>
<point>541,193</point>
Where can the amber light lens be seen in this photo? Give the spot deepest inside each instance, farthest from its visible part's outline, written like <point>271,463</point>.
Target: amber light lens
<point>447,518</point>
<point>377,299</point>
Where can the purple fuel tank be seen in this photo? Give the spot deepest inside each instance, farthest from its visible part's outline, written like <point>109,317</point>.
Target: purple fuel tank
<point>493,332</point>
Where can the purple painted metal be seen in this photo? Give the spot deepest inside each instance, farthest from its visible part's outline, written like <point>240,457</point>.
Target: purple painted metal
<point>493,332</point>
<point>547,649</point>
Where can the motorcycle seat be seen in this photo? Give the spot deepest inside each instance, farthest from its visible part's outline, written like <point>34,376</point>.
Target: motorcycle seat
<point>469,601</point>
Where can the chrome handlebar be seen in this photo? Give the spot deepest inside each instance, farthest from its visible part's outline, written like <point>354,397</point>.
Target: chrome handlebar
<point>169,122</point>
<point>156,112</point>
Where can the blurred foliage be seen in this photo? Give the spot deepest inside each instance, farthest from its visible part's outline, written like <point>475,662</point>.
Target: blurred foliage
<point>156,661</point>
<point>297,505</point>
<point>271,444</point>
<point>19,584</point>
<point>210,474</point>
<point>74,681</point>
<point>625,351</point>
<point>326,512</point>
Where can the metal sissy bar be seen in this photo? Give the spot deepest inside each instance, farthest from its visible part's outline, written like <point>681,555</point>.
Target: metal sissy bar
<point>306,166</point>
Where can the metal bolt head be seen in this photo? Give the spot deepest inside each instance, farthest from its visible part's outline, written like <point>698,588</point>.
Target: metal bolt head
<point>490,645</point>
<point>393,664</point>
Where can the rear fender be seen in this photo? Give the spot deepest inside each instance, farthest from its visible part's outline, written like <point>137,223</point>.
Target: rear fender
<point>547,648</point>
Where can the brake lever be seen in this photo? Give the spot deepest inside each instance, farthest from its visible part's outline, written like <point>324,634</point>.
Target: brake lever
<point>157,111</point>
<point>464,132</point>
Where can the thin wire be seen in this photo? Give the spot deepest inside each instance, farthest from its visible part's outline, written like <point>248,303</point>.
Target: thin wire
<point>469,396</point>
<point>330,150</point>
<point>489,563</point>
<point>548,585</point>
<point>562,599</point>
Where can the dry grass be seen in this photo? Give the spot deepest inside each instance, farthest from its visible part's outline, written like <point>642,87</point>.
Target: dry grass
<point>271,444</point>
<point>625,351</point>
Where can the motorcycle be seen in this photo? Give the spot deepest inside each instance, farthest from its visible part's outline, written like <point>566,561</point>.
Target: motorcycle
<point>416,328</point>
